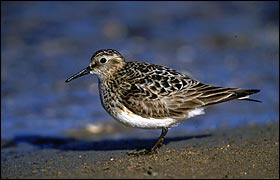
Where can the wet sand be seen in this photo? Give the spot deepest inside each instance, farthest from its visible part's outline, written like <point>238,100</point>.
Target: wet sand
<point>247,152</point>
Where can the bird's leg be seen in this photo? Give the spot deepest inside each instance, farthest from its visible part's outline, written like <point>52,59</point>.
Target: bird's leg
<point>160,141</point>
<point>156,146</point>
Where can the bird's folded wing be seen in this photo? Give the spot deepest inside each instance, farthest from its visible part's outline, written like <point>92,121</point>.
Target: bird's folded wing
<point>176,103</point>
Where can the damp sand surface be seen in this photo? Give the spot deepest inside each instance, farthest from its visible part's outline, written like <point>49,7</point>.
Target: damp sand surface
<point>247,152</point>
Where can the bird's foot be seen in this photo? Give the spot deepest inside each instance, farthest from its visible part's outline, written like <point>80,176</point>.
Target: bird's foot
<point>141,152</point>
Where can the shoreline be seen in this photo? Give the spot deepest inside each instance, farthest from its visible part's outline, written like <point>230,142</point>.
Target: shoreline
<point>247,152</point>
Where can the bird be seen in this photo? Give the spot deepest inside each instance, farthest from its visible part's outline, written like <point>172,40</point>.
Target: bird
<point>149,96</point>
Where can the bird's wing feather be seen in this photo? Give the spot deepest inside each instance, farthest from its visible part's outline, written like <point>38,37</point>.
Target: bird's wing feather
<point>175,104</point>
<point>167,93</point>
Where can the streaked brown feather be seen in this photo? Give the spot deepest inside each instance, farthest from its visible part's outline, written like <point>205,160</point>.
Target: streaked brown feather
<point>145,96</point>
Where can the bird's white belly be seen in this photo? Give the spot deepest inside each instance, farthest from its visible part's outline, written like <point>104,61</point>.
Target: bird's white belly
<point>130,119</point>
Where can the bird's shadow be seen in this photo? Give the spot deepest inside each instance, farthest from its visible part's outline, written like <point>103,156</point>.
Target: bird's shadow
<point>62,143</point>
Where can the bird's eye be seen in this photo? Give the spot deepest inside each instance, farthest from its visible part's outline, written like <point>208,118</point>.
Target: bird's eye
<point>103,60</point>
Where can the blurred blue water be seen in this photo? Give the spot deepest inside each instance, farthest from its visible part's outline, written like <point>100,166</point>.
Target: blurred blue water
<point>232,44</point>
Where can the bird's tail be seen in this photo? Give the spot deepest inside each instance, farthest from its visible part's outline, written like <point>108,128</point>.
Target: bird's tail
<point>212,95</point>
<point>244,94</point>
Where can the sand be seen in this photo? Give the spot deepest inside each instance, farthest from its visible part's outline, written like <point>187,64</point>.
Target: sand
<point>247,152</point>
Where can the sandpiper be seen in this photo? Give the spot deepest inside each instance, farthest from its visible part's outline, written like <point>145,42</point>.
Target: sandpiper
<point>144,95</point>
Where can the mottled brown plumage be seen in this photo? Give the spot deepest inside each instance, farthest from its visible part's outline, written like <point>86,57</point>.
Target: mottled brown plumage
<point>146,95</point>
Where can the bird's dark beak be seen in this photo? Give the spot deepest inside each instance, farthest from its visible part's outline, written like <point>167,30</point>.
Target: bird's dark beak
<point>79,74</point>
